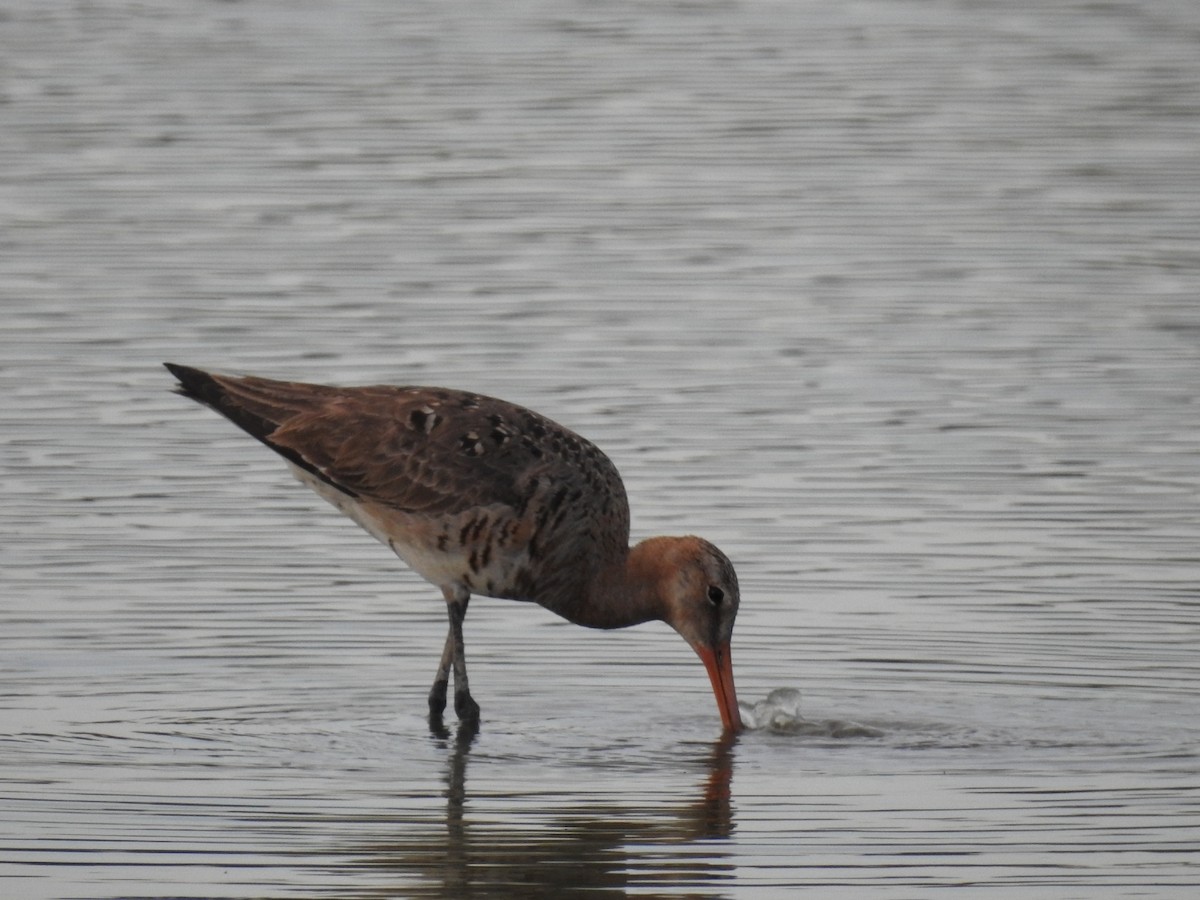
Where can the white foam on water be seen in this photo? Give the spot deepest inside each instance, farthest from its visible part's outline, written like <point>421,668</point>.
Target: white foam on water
<point>780,713</point>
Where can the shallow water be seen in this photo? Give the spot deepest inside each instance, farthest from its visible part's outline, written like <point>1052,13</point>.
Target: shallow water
<point>897,303</point>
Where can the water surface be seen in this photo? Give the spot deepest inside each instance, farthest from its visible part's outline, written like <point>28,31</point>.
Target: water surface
<point>895,302</point>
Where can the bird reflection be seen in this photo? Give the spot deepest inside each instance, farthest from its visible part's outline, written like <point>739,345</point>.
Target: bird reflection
<point>572,849</point>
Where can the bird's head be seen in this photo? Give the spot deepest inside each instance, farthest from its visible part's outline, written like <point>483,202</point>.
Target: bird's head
<point>698,591</point>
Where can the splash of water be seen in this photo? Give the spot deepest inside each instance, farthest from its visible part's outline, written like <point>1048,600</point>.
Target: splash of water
<point>780,712</point>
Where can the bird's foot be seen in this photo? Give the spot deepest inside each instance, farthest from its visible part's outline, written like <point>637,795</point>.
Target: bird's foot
<point>466,707</point>
<point>437,698</point>
<point>437,727</point>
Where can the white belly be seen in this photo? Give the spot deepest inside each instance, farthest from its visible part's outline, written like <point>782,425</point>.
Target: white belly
<point>400,532</point>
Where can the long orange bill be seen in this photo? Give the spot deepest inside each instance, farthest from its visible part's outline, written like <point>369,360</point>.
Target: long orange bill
<point>720,672</point>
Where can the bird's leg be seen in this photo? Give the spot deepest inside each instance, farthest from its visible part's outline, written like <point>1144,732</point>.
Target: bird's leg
<point>467,709</point>
<point>437,693</point>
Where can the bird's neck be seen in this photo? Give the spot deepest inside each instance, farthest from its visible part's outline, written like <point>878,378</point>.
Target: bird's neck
<point>628,591</point>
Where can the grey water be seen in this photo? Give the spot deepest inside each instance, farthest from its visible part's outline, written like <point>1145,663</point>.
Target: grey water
<point>896,302</point>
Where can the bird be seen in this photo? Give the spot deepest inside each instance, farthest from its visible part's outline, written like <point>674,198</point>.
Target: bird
<point>480,496</point>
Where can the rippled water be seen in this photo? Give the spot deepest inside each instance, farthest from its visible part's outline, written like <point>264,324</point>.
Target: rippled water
<point>896,302</point>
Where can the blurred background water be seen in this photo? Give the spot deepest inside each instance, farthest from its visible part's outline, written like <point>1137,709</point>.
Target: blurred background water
<point>897,302</point>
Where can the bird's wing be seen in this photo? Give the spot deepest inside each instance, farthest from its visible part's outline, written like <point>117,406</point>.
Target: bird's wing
<point>425,450</point>
<point>413,449</point>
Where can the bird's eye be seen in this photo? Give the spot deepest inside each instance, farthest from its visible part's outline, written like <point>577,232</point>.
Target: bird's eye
<point>715,595</point>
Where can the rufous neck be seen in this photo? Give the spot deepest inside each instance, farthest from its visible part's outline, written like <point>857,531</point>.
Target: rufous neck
<point>629,590</point>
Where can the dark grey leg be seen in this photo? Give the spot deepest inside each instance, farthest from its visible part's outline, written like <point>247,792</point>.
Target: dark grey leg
<point>457,598</point>
<point>437,693</point>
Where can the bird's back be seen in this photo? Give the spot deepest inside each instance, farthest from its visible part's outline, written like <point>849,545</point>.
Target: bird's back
<point>465,488</point>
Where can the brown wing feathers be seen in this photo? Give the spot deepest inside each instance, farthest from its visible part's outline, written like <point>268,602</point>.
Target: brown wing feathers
<point>432,451</point>
<point>257,406</point>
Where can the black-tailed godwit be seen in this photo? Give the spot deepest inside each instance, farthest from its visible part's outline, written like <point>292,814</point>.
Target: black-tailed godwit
<point>480,496</point>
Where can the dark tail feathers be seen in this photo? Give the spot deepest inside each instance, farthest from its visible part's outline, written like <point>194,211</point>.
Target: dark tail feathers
<point>212,391</point>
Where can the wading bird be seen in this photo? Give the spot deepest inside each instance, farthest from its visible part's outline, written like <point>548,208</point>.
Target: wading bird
<point>480,496</point>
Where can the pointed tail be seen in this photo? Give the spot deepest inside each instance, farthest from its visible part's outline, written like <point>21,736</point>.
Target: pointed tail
<point>220,392</point>
<point>258,406</point>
